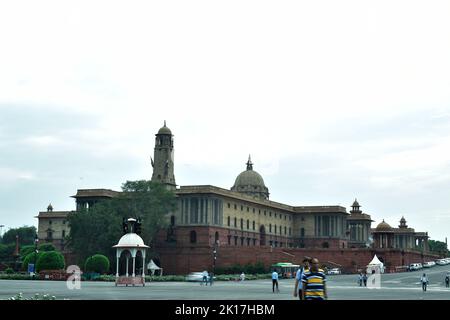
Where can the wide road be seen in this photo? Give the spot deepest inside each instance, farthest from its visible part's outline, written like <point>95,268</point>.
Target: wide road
<point>403,286</point>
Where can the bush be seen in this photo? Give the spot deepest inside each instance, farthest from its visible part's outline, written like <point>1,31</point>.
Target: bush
<point>9,271</point>
<point>50,260</point>
<point>97,263</point>
<point>30,258</point>
<point>46,247</point>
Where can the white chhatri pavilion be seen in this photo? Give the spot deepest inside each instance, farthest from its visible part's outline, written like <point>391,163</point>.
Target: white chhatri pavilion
<point>130,244</point>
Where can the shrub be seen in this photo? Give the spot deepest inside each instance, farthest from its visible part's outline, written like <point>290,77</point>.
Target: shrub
<point>46,247</point>
<point>9,271</point>
<point>50,260</point>
<point>30,258</point>
<point>97,263</point>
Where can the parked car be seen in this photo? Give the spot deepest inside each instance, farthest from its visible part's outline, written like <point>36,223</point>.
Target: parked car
<point>415,266</point>
<point>334,271</point>
<point>429,264</point>
<point>442,262</point>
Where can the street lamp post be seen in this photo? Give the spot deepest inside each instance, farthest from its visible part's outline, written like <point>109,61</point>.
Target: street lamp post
<point>215,258</point>
<point>36,241</point>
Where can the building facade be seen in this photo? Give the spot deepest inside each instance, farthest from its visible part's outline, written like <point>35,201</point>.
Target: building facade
<point>244,226</point>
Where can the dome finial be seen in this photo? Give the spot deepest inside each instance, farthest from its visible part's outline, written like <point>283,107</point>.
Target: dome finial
<point>249,163</point>
<point>164,123</point>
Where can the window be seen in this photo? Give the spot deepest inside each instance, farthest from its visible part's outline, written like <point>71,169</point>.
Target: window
<point>64,234</point>
<point>270,227</point>
<point>253,225</point>
<point>235,222</point>
<point>248,224</point>
<point>264,212</point>
<point>302,232</point>
<point>242,223</point>
<point>285,230</point>
<point>235,207</point>
<point>248,241</point>
<point>270,213</point>
<point>248,209</point>
<point>259,211</point>
<point>172,221</point>
<point>242,241</point>
<point>228,221</point>
<point>275,214</point>
<point>289,231</point>
<point>254,210</point>
<point>64,221</point>
<point>275,229</point>
<point>216,238</point>
<point>235,240</point>
<point>229,205</point>
<point>49,234</point>
<point>242,208</point>
<point>193,236</point>
<point>229,240</point>
<point>50,222</point>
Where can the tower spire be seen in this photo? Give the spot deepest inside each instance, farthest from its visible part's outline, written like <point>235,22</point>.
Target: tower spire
<point>249,163</point>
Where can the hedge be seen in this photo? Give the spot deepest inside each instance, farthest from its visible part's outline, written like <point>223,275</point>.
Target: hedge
<point>30,258</point>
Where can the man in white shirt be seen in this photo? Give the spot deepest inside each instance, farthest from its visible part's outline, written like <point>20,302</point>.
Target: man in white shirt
<point>275,281</point>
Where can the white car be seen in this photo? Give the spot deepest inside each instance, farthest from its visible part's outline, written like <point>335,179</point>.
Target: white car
<point>415,266</point>
<point>441,262</point>
<point>429,264</point>
<point>334,271</point>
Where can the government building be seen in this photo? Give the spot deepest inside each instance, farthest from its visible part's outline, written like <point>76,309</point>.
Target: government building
<point>217,227</point>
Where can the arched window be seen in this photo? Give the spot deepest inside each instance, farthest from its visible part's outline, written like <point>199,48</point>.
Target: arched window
<point>228,221</point>
<point>325,245</point>
<point>193,236</point>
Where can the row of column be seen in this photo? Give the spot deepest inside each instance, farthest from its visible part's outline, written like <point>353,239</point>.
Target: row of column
<point>201,211</point>
<point>331,226</point>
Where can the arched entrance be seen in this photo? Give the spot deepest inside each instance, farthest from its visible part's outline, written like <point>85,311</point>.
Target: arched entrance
<point>262,236</point>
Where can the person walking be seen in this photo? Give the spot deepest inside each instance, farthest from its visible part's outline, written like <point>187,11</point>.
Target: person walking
<point>242,276</point>
<point>204,278</point>
<point>447,280</point>
<point>211,279</point>
<point>424,281</point>
<point>298,278</point>
<point>365,279</point>
<point>360,279</point>
<point>314,283</point>
<point>275,281</point>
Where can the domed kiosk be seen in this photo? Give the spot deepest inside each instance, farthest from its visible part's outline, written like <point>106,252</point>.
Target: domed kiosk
<point>129,246</point>
<point>251,183</point>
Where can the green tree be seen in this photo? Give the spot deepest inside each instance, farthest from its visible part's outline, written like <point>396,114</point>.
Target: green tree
<point>26,235</point>
<point>152,202</point>
<point>438,247</point>
<point>97,263</point>
<point>30,258</point>
<point>50,260</point>
<point>99,228</point>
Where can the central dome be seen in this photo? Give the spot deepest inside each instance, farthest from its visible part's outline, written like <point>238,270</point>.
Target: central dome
<point>251,183</point>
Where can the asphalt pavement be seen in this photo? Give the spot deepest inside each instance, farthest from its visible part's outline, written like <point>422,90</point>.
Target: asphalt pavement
<point>398,286</point>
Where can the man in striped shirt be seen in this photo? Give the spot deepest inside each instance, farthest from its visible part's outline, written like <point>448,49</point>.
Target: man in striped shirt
<point>314,280</point>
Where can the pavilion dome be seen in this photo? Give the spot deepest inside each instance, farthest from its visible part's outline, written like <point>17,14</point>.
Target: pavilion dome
<point>383,226</point>
<point>131,240</point>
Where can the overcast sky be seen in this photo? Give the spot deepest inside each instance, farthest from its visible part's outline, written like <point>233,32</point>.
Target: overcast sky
<point>334,100</point>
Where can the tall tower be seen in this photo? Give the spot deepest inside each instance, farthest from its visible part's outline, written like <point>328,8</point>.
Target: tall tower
<point>163,162</point>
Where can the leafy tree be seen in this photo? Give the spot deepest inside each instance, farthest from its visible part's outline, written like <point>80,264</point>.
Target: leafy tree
<point>31,258</point>
<point>99,228</point>
<point>25,250</point>
<point>50,260</point>
<point>97,263</point>
<point>6,252</point>
<point>438,247</point>
<point>26,235</point>
<point>152,202</point>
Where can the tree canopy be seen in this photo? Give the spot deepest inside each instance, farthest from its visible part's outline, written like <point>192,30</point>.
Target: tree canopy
<point>97,229</point>
<point>26,235</point>
<point>438,247</point>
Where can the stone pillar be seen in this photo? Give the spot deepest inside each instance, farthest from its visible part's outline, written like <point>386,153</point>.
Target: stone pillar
<point>117,266</point>
<point>143,263</point>
<point>127,267</point>
<point>134,266</point>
